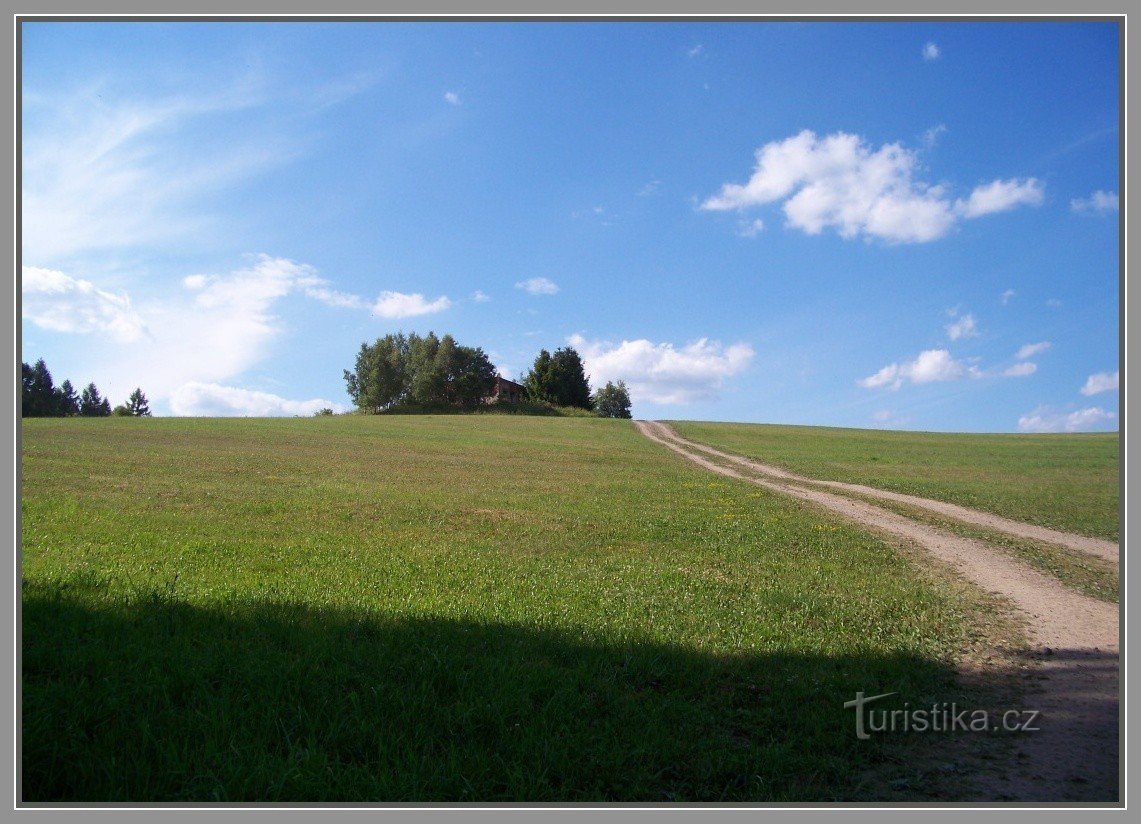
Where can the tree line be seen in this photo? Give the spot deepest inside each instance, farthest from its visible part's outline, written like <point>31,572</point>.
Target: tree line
<point>41,398</point>
<point>400,371</point>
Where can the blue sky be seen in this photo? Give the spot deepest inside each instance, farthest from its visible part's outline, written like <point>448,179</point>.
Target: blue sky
<point>900,225</point>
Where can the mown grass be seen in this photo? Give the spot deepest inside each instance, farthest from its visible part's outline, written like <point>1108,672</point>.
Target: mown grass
<point>483,608</point>
<point>1067,482</point>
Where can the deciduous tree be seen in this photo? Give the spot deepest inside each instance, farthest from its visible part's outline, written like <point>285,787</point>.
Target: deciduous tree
<point>613,400</point>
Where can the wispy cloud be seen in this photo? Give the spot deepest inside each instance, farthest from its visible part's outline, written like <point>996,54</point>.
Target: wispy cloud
<point>932,135</point>
<point>452,97</point>
<point>751,228</point>
<point>398,305</point>
<point>1020,370</point>
<point>931,51</point>
<point>1099,203</point>
<point>964,327</point>
<point>650,188</point>
<point>103,173</point>
<point>1029,350</point>
<point>929,366</point>
<point>480,297</point>
<point>1046,419</point>
<point>1002,196</point>
<point>538,286</point>
<point>211,329</point>
<point>662,372</point>
<point>60,303</point>
<point>1006,296</point>
<point>695,51</point>
<point>1101,382</point>
<point>840,182</point>
<point>212,400</point>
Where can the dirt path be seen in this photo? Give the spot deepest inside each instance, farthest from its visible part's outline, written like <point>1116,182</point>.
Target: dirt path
<point>1073,658</point>
<point>1106,550</point>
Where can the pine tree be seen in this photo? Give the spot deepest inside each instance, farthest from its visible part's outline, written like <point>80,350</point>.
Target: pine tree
<point>137,404</point>
<point>38,392</point>
<point>67,401</point>
<point>91,404</point>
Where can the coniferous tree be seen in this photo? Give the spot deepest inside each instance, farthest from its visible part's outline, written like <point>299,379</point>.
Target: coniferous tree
<point>91,404</point>
<point>137,404</point>
<point>67,401</point>
<point>559,379</point>
<point>38,395</point>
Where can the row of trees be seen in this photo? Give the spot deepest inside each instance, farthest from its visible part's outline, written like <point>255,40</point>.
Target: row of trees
<point>410,370</point>
<point>41,398</point>
<point>421,371</point>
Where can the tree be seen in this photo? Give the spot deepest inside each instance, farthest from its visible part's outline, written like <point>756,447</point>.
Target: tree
<point>121,411</point>
<point>424,371</point>
<point>469,375</point>
<point>537,382</point>
<point>380,379</point>
<point>67,401</point>
<point>91,405</point>
<point>38,395</point>
<point>137,404</point>
<point>613,401</point>
<point>559,379</point>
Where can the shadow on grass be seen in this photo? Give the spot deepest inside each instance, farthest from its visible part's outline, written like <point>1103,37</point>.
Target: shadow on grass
<point>154,700</point>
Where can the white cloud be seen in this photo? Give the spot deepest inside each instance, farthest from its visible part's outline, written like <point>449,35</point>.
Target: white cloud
<point>1007,295</point>
<point>104,171</point>
<point>1029,350</point>
<point>1020,370</point>
<point>195,281</point>
<point>480,297</point>
<point>650,188</point>
<point>1101,382</point>
<point>338,300</point>
<point>696,50</point>
<point>931,136</point>
<point>1001,196</point>
<point>931,51</point>
<point>931,365</point>
<point>661,372</point>
<point>1053,303</point>
<point>1099,203</point>
<point>452,97</point>
<point>1045,419</point>
<point>398,305</point>
<point>964,327</point>
<point>538,286</point>
<point>751,228</point>
<point>60,303</point>
<point>840,182</point>
<point>212,400</point>
<point>207,333</point>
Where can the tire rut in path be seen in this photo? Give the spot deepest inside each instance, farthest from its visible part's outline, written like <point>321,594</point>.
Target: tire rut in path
<point>1104,549</point>
<point>1074,755</point>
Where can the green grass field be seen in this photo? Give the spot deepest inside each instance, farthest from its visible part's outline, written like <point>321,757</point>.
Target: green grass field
<point>1068,482</point>
<point>481,608</point>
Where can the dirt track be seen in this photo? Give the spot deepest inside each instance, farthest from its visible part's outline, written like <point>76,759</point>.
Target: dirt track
<point>1074,638</point>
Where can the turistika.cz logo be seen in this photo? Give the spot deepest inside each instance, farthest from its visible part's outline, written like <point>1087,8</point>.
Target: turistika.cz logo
<point>939,717</point>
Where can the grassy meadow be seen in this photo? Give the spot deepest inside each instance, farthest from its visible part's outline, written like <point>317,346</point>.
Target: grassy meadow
<point>1067,482</point>
<point>447,608</point>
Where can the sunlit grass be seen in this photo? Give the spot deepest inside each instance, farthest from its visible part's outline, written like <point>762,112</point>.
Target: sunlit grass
<point>446,608</point>
<point>1068,482</point>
